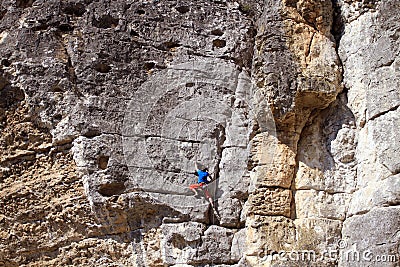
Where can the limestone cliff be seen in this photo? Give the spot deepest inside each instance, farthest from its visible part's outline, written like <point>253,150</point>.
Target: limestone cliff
<point>106,106</point>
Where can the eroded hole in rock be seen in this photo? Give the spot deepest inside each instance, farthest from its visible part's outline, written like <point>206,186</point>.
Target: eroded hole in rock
<point>41,27</point>
<point>111,189</point>
<point>189,84</point>
<point>76,9</point>
<point>245,8</point>
<point>291,3</point>
<point>91,132</point>
<point>182,9</point>
<point>57,89</point>
<point>105,22</point>
<point>9,95</point>
<point>170,45</point>
<point>102,162</point>
<point>102,67</point>
<point>2,13</point>
<point>103,55</point>
<point>219,43</point>
<point>24,3</point>
<point>217,32</point>
<point>133,33</point>
<point>5,62</point>
<point>178,241</point>
<point>149,65</point>
<point>57,117</point>
<point>140,12</point>
<point>65,28</point>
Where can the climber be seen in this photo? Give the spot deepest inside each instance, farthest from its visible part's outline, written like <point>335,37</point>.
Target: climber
<point>203,178</point>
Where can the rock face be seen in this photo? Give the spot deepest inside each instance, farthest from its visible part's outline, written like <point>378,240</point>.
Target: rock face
<point>106,107</point>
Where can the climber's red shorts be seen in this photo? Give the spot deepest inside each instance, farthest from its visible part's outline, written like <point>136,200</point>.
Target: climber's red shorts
<point>194,186</point>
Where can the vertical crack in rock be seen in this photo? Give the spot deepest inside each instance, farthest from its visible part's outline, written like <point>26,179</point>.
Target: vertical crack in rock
<point>71,73</point>
<point>220,137</point>
<point>338,28</point>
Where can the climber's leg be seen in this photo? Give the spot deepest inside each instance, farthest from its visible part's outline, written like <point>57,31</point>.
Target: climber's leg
<point>209,197</point>
<point>211,202</point>
<point>193,187</point>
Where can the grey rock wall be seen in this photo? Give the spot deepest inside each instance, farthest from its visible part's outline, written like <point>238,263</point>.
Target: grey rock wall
<point>136,93</point>
<point>369,49</point>
<point>106,106</point>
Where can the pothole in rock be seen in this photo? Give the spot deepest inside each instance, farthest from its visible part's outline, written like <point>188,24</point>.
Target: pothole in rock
<point>105,22</point>
<point>102,67</point>
<point>102,162</point>
<point>219,43</point>
<point>76,9</point>
<point>217,32</point>
<point>111,189</point>
<point>149,65</point>
<point>24,3</point>
<point>182,9</point>
<point>170,45</point>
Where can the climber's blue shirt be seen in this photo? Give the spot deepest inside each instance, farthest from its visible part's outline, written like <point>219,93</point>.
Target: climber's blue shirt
<point>202,176</point>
